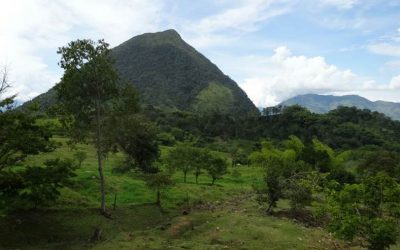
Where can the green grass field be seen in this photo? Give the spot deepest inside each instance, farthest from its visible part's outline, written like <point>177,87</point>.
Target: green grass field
<point>222,216</point>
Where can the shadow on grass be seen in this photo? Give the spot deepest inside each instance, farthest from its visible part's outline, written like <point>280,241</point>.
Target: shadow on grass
<point>72,228</point>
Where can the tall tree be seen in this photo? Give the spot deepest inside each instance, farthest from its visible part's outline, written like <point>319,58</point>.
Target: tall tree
<point>88,91</point>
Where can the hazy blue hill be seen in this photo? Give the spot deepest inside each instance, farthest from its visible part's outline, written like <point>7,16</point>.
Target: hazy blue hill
<point>170,74</point>
<point>325,103</point>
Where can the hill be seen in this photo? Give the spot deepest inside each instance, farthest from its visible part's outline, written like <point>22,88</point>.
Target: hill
<point>325,103</point>
<point>172,75</point>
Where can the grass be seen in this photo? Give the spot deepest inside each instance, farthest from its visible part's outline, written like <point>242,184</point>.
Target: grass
<point>223,216</point>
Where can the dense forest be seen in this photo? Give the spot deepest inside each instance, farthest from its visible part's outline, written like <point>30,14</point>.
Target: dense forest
<point>100,169</point>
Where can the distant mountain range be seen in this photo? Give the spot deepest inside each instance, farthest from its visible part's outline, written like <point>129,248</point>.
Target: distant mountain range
<point>325,103</point>
<point>172,75</point>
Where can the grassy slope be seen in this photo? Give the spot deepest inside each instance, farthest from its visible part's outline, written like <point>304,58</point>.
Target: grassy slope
<point>225,216</point>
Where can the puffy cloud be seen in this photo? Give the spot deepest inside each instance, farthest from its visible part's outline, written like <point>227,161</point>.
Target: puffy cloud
<point>31,31</point>
<point>395,82</point>
<point>284,75</point>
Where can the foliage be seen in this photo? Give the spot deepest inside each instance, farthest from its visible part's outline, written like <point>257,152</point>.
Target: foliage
<point>20,136</point>
<point>159,181</point>
<point>36,185</point>
<point>381,160</point>
<point>182,158</point>
<point>216,166</point>
<point>137,138</point>
<point>369,210</point>
<point>80,157</point>
<point>87,91</point>
<point>285,174</point>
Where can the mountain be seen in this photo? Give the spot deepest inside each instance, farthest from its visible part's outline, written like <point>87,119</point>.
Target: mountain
<point>325,103</point>
<point>172,75</point>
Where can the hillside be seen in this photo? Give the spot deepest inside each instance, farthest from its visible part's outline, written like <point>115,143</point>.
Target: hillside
<point>325,103</point>
<point>170,74</point>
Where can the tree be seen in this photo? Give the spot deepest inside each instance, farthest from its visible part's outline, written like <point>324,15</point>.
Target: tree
<point>87,91</point>
<point>137,138</point>
<point>159,181</point>
<point>380,160</point>
<point>284,174</point>
<point>20,135</point>
<point>80,157</point>
<point>35,184</point>
<point>370,210</point>
<point>182,157</point>
<point>4,82</point>
<point>216,167</point>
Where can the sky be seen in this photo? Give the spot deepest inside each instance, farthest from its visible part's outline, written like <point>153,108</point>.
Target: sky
<point>274,49</point>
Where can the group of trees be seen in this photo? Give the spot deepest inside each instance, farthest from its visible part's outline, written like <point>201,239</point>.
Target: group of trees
<point>362,203</point>
<point>343,128</point>
<point>186,158</point>
<point>97,107</point>
<point>23,185</point>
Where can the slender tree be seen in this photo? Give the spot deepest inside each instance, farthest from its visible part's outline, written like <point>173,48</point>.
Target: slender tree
<point>88,91</point>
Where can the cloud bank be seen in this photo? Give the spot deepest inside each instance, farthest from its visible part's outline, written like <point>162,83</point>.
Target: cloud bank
<point>284,75</point>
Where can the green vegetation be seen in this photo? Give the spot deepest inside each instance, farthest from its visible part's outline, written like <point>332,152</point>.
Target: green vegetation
<point>173,178</point>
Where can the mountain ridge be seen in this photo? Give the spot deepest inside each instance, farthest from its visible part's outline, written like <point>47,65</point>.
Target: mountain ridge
<point>324,103</point>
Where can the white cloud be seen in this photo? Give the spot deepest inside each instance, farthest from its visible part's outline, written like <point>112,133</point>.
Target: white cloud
<point>242,18</point>
<point>32,30</point>
<point>395,82</point>
<point>388,45</point>
<point>284,75</point>
<point>341,4</point>
<point>386,49</point>
<point>237,19</point>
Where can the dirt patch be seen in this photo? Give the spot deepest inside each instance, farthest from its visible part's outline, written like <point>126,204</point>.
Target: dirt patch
<point>180,226</point>
<point>304,217</point>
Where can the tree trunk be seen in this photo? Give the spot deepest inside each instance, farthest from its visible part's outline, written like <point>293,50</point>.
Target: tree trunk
<point>102,183</point>
<point>271,204</point>
<point>213,181</point>
<point>100,159</point>
<point>115,201</point>
<point>158,201</point>
<point>197,176</point>
<point>184,177</point>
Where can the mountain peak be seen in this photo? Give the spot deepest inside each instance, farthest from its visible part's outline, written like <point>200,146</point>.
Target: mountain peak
<point>169,36</point>
<point>171,75</point>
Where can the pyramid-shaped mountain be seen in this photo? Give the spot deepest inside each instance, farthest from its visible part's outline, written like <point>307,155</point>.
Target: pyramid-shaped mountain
<point>172,75</point>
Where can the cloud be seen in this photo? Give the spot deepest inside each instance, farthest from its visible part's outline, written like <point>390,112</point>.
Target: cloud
<point>32,30</point>
<point>341,4</point>
<point>388,45</point>
<point>284,75</point>
<point>238,18</point>
<point>385,49</point>
<point>395,82</point>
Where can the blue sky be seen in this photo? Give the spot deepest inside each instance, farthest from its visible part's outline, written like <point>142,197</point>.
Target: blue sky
<point>274,49</point>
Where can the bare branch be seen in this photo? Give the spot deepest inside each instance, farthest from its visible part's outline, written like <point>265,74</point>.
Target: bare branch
<point>4,84</point>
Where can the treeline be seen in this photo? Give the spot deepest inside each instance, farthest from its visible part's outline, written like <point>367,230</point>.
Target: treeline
<point>342,128</point>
